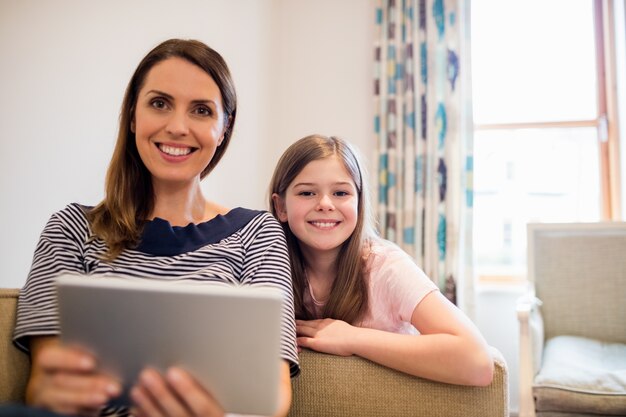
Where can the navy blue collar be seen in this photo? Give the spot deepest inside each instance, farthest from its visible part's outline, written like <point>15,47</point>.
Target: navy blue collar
<point>159,238</point>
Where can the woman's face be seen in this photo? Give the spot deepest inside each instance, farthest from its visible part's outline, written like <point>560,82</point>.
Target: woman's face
<point>178,121</point>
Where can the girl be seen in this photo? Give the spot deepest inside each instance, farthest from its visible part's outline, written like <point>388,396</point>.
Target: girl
<point>176,122</point>
<point>355,293</point>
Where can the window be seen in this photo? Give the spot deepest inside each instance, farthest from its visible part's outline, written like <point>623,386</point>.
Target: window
<point>543,123</point>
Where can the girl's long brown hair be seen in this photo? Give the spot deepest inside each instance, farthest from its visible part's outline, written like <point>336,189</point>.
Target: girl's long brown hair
<point>129,198</point>
<point>348,299</point>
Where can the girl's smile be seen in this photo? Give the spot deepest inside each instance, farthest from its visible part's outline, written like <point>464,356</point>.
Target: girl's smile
<point>324,224</point>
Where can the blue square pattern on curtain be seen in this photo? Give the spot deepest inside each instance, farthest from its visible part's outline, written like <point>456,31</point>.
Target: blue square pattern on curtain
<point>423,135</point>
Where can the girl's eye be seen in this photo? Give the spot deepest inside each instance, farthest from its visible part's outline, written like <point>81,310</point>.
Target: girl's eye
<point>306,193</point>
<point>203,111</point>
<point>341,193</point>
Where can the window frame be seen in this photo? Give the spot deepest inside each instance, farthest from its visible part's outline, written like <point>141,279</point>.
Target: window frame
<point>606,123</point>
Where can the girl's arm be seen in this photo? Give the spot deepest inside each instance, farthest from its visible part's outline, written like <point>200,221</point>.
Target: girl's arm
<point>449,349</point>
<point>65,380</point>
<point>178,394</point>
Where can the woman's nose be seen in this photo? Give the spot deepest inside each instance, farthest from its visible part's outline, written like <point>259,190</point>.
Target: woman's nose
<point>177,124</point>
<point>325,203</point>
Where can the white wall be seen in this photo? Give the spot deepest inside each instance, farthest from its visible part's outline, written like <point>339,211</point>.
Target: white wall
<point>324,70</point>
<point>300,66</point>
<point>620,61</point>
<point>497,320</point>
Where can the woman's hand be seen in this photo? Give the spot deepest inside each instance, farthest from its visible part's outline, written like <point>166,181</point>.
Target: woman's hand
<point>326,335</point>
<point>179,394</point>
<point>175,394</point>
<point>66,380</point>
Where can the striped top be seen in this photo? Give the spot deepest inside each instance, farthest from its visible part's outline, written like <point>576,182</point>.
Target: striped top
<point>243,247</point>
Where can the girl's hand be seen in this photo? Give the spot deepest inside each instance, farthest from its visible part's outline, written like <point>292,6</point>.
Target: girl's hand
<point>175,394</point>
<point>326,335</point>
<point>66,380</point>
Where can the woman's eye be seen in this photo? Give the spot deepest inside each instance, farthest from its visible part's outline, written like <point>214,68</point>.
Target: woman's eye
<point>203,111</point>
<point>158,103</point>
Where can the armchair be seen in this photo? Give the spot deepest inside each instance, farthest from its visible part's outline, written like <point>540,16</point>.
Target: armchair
<point>573,321</point>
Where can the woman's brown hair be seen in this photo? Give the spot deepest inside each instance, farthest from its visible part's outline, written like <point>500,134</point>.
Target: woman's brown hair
<point>348,298</point>
<point>129,198</point>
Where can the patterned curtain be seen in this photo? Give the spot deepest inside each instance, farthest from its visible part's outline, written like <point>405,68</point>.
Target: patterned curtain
<point>424,137</point>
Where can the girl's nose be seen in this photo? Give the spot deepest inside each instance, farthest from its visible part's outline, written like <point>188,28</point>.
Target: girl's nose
<point>325,203</point>
<point>177,124</point>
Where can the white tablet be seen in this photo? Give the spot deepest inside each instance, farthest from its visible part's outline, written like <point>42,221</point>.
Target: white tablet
<point>227,337</point>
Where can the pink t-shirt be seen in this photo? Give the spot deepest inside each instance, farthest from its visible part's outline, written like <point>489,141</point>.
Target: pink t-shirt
<point>396,286</point>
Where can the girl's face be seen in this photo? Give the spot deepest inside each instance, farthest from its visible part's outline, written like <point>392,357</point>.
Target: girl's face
<point>178,121</point>
<point>321,206</point>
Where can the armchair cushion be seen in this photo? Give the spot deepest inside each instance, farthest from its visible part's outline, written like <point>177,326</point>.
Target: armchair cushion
<point>582,375</point>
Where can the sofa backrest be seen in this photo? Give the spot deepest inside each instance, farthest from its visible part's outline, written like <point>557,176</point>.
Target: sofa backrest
<point>14,364</point>
<point>351,386</point>
<point>579,274</point>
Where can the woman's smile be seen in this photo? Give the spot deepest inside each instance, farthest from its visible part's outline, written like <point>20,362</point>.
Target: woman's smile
<point>175,150</point>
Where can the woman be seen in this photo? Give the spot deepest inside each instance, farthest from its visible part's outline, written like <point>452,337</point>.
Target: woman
<point>176,122</point>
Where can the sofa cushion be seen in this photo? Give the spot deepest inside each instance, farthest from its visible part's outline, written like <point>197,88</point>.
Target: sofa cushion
<point>582,375</point>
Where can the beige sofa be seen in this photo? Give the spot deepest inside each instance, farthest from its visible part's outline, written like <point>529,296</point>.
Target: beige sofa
<point>328,385</point>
